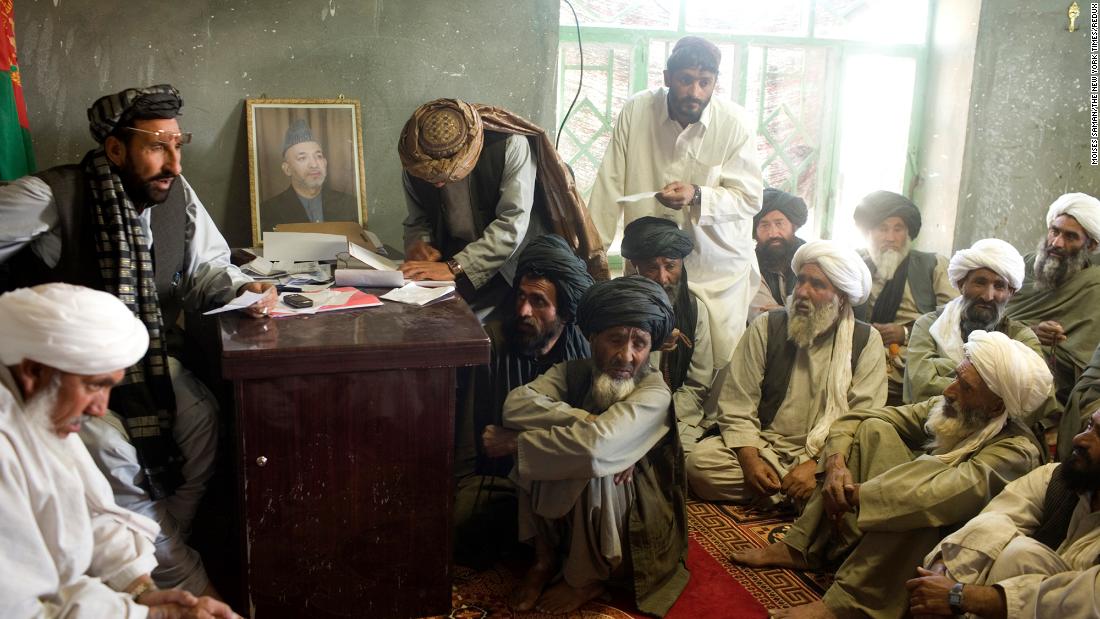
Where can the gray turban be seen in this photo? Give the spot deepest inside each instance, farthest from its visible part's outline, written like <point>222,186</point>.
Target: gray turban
<point>111,111</point>
<point>631,301</point>
<point>793,207</point>
<point>296,133</point>
<point>878,206</point>
<point>649,237</point>
<point>549,256</point>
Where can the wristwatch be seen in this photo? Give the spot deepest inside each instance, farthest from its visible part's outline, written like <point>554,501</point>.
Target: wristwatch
<point>455,267</point>
<point>697,199</point>
<point>955,599</point>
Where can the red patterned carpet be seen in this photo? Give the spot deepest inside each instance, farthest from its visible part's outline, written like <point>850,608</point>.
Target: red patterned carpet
<point>717,588</point>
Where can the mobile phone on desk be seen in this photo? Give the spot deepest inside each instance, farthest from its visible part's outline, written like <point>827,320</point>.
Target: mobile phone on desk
<point>298,301</point>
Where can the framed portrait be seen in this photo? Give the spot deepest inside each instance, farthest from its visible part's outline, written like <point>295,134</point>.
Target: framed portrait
<point>305,162</point>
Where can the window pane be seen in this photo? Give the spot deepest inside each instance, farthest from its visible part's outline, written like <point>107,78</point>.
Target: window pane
<point>876,106</point>
<point>876,21</point>
<point>654,14</point>
<point>782,17</point>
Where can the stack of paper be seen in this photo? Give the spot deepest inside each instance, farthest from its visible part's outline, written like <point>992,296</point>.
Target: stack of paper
<point>327,301</point>
<point>412,294</point>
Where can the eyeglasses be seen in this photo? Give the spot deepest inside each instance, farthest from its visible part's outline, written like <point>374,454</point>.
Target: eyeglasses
<point>165,137</point>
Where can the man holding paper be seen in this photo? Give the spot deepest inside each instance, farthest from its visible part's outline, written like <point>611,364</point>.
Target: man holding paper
<point>126,222</point>
<point>698,155</point>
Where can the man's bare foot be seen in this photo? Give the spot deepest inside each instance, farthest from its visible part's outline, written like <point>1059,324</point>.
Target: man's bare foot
<point>562,598</point>
<point>817,610</point>
<point>772,555</point>
<point>525,595</point>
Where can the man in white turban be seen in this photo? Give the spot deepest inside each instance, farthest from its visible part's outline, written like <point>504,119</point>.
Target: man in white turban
<point>69,549</point>
<point>796,370</point>
<point>1059,297</point>
<point>879,508</point>
<point>987,274</point>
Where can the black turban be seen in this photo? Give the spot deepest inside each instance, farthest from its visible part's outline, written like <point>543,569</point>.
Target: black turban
<point>549,256</point>
<point>793,207</point>
<point>876,207</point>
<point>649,237</point>
<point>111,111</point>
<point>631,301</point>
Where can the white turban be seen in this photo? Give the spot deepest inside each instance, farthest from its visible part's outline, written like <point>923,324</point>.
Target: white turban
<point>1011,370</point>
<point>992,254</point>
<point>74,329</point>
<point>842,265</point>
<point>1080,206</point>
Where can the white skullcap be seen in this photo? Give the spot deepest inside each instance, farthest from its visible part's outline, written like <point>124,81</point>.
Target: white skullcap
<point>1080,206</point>
<point>842,265</point>
<point>992,254</point>
<point>74,329</point>
<point>1011,370</point>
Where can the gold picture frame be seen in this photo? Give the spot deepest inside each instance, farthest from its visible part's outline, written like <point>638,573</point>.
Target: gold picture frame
<point>300,150</point>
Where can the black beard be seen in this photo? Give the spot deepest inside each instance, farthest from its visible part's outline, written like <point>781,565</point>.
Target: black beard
<point>143,193</point>
<point>1079,472</point>
<point>531,344</point>
<point>978,317</point>
<point>1052,271</point>
<point>775,255</point>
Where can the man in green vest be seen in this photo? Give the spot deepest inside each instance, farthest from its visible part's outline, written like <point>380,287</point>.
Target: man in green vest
<point>907,283</point>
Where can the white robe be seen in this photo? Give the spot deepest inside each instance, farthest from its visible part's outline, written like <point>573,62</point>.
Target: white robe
<point>68,549</point>
<point>648,150</point>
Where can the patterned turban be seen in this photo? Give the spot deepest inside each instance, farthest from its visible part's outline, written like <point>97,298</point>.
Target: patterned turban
<point>631,301</point>
<point>549,256</point>
<point>878,206</point>
<point>1011,370</point>
<point>793,207</point>
<point>296,133</point>
<point>111,111</point>
<point>649,237</point>
<point>442,141</point>
<point>841,264</point>
<point>1080,206</point>
<point>992,254</point>
<point>74,329</point>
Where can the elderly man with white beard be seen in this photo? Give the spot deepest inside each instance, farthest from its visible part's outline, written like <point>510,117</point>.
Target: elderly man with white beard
<point>794,372</point>
<point>894,476</point>
<point>69,550</point>
<point>907,283</point>
<point>598,461</point>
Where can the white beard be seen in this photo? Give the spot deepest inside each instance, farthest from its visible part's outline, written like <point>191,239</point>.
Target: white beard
<point>887,262</point>
<point>39,411</point>
<point>947,432</point>
<point>606,391</point>
<point>802,329</point>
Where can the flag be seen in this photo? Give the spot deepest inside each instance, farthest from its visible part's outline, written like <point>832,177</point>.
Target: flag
<point>16,153</point>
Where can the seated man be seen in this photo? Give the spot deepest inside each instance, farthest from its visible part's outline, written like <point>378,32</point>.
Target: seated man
<point>69,550</point>
<point>598,461</point>
<point>479,183</point>
<point>793,374</point>
<point>879,508</point>
<point>537,333</point>
<point>1061,292</point>
<point>987,275</point>
<point>1030,553</point>
<point>907,283</point>
<point>656,247</point>
<point>774,229</point>
<point>1081,403</point>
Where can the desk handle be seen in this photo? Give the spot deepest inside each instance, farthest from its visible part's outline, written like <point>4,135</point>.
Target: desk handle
<point>261,461</point>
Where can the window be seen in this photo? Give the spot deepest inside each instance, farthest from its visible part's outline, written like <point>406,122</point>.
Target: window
<point>834,86</point>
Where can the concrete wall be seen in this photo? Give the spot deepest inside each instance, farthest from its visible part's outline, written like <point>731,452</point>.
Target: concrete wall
<point>391,55</point>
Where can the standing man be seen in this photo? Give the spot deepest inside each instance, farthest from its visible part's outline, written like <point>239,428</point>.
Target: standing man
<point>774,229</point>
<point>699,156</point>
<point>308,199</point>
<point>479,183</point>
<point>656,248</point>
<point>907,283</point>
<point>125,221</point>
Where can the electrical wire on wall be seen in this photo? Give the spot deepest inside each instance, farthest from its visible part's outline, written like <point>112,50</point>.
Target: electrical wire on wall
<point>580,80</point>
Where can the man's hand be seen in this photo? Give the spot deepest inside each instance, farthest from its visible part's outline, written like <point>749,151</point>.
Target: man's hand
<point>676,195</point>
<point>928,594</point>
<point>759,475</point>
<point>265,304</point>
<point>834,489</point>
<point>625,477</point>
<point>427,271</point>
<point>203,608</point>
<point>799,482</point>
<point>421,251</point>
<point>499,442</point>
<point>157,597</point>
<point>1049,332</point>
<point>672,341</point>
<point>891,333</point>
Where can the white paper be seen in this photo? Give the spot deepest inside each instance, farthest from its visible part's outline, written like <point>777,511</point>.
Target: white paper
<point>412,294</point>
<point>320,299</point>
<point>247,298</point>
<point>371,259</point>
<point>369,278</point>
<point>297,246</point>
<point>262,266</point>
<point>636,197</point>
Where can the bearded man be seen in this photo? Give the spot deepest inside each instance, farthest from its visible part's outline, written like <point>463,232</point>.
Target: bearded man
<point>1030,553</point>
<point>774,229</point>
<point>598,463</point>
<point>1062,291</point>
<point>880,508</point>
<point>907,283</point>
<point>794,373</point>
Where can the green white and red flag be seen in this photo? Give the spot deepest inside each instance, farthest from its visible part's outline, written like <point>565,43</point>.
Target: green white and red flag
<point>16,152</point>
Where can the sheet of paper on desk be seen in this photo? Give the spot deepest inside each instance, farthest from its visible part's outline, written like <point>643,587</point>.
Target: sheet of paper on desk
<point>247,298</point>
<point>636,197</point>
<point>411,294</point>
<point>369,278</point>
<point>371,259</point>
<point>297,246</point>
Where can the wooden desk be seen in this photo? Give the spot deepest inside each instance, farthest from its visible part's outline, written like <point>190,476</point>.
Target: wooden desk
<point>344,456</point>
